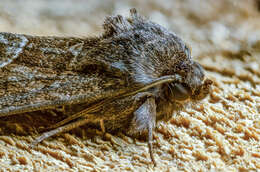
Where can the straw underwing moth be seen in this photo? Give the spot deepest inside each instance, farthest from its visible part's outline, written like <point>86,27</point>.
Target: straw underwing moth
<point>133,75</point>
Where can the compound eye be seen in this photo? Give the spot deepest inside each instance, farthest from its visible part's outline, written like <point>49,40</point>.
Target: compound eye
<point>180,91</point>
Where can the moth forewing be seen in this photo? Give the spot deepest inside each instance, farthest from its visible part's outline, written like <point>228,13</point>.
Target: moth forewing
<point>45,72</point>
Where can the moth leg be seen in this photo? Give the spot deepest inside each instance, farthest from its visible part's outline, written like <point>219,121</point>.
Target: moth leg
<point>75,116</point>
<point>62,129</point>
<point>150,143</point>
<point>144,121</point>
<point>102,126</point>
<point>66,120</point>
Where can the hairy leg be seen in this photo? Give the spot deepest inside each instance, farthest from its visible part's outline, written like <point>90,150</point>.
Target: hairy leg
<point>62,129</point>
<point>144,121</point>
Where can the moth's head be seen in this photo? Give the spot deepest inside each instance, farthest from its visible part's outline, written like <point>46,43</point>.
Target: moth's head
<point>194,86</point>
<point>198,84</point>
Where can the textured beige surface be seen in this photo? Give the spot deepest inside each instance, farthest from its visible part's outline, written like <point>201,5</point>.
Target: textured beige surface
<point>220,133</point>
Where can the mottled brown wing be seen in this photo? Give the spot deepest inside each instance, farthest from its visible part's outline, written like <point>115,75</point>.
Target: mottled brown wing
<point>35,74</point>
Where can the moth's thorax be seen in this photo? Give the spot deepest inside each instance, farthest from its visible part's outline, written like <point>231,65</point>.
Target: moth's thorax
<point>152,50</point>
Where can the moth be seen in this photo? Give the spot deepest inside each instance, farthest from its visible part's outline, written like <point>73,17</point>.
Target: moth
<point>133,75</point>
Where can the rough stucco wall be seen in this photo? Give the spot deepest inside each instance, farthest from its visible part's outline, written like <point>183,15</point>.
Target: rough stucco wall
<point>220,133</point>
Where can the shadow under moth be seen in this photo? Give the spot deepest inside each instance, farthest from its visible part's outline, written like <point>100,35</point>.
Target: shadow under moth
<point>133,75</point>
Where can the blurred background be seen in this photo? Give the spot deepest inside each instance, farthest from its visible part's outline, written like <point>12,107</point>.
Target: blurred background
<point>222,133</point>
